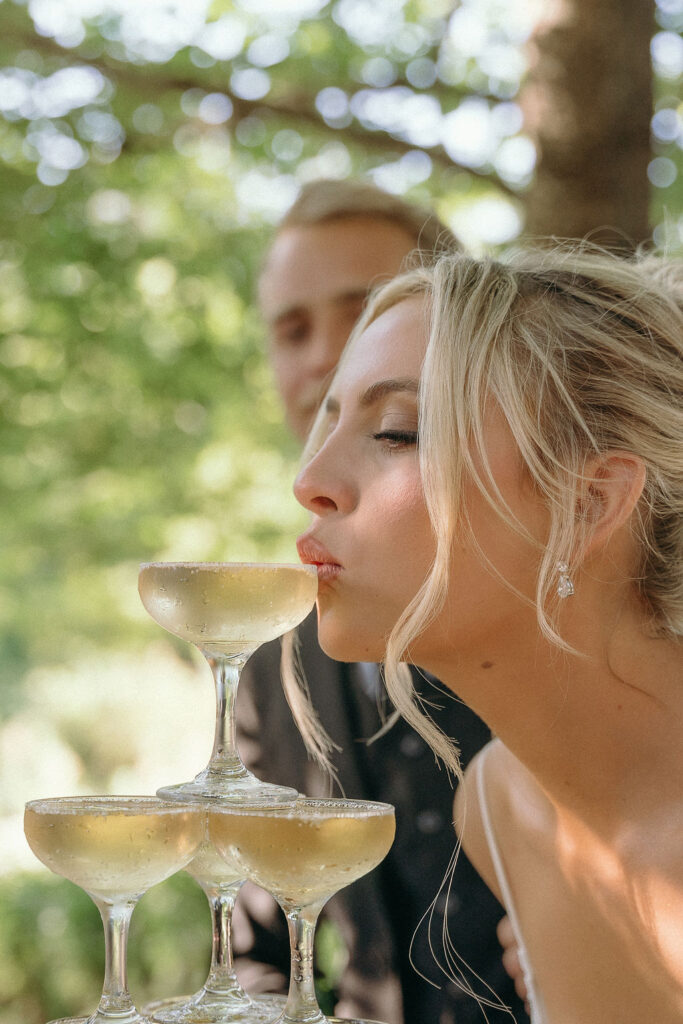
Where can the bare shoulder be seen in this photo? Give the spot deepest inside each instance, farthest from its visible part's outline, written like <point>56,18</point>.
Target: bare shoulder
<point>498,786</point>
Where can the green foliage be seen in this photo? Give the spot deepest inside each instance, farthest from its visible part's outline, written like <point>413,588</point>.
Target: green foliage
<point>138,416</point>
<point>52,946</point>
<point>331,956</point>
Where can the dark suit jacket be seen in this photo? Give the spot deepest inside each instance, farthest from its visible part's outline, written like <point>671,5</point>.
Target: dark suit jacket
<point>379,913</point>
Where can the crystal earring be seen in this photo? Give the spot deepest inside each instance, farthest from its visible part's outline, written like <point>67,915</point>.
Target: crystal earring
<point>565,585</point>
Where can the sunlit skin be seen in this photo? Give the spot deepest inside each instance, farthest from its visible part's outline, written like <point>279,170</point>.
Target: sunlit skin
<point>312,291</point>
<point>584,781</point>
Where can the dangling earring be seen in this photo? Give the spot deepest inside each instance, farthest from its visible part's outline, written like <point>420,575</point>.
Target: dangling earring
<point>565,586</point>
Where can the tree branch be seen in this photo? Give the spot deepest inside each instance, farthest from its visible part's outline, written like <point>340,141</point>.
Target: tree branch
<point>294,106</point>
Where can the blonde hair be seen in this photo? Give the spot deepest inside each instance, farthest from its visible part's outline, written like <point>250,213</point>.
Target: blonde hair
<point>583,352</point>
<point>325,200</point>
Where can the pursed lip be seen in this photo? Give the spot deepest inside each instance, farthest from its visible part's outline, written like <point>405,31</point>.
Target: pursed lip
<point>312,552</point>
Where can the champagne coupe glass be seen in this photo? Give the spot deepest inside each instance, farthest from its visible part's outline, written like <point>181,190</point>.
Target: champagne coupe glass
<point>114,847</point>
<point>227,609</point>
<point>303,855</point>
<point>221,999</point>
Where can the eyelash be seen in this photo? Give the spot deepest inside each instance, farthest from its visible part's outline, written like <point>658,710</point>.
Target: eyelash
<point>397,439</point>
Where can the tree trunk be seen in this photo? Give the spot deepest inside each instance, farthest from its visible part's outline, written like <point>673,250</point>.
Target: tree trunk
<point>588,104</point>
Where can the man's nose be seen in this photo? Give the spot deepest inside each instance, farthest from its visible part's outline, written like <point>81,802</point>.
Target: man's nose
<point>327,344</point>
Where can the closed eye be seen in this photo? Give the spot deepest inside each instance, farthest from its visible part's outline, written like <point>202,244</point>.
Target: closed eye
<point>397,438</point>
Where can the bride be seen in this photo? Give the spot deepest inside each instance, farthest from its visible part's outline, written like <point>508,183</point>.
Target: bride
<point>496,482</point>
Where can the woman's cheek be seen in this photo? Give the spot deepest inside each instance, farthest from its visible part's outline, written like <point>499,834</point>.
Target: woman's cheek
<point>406,522</point>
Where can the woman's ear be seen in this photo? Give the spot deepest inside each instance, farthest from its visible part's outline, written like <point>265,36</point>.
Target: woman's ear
<point>610,490</point>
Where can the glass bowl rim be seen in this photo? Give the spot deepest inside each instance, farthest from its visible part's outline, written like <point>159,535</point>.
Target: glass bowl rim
<point>118,802</point>
<point>371,807</point>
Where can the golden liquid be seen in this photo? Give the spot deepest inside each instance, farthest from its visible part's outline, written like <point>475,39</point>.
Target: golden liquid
<point>113,848</point>
<point>307,852</point>
<point>225,606</point>
<point>211,870</point>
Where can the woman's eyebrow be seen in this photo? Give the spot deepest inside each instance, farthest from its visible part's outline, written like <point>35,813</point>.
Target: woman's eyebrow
<point>376,392</point>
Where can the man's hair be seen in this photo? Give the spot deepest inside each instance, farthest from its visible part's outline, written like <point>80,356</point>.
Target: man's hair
<point>325,200</point>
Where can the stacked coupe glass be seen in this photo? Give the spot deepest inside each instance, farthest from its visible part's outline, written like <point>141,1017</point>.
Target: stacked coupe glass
<point>222,827</point>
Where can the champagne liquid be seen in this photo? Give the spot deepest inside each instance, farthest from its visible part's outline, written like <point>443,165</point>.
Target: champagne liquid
<point>225,607</point>
<point>305,853</point>
<point>113,847</point>
<point>210,869</point>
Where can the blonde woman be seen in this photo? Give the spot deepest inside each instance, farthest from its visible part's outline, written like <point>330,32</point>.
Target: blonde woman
<point>529,553</point>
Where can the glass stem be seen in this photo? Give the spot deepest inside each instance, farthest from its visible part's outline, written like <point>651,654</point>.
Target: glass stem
<point>302,1003</point>
<point>222,979</point>
<point>226,674</point>
<point>115,1000</point>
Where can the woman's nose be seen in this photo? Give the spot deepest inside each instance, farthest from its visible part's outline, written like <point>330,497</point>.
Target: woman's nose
<point>321,487</point>
<point>310,494</point>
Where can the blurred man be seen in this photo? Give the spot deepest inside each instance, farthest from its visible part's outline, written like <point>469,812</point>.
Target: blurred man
<point>338,240</point>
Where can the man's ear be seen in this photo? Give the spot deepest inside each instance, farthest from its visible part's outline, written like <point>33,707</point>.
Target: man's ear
<point>609,492</point>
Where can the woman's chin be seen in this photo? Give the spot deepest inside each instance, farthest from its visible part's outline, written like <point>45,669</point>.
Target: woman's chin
<point>345,644</point>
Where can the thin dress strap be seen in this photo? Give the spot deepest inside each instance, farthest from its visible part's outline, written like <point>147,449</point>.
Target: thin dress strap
<point>536,1012</point>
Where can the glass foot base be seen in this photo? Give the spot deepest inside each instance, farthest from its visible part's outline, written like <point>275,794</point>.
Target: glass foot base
<point>328,1020</point>
<point>351,1020</point>
<point>227,788</point>
<point>99,1018</point>
<point>263,1009</point>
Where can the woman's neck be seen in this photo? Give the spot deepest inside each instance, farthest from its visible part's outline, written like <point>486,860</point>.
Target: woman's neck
<point>593,727</point>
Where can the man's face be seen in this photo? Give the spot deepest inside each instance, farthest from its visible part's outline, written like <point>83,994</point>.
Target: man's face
<point>312,291</point>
